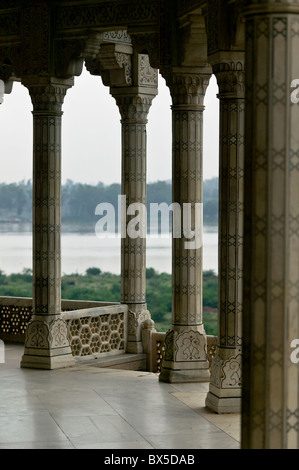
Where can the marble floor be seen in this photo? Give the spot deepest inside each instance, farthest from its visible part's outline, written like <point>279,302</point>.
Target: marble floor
<point>86,407</point>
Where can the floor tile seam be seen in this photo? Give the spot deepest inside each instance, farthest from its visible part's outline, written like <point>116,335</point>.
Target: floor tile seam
<point>124,419</point>
<point>58,425</point>
<point>204,417</point>
<point>51,415</point>
<point>40,442</point>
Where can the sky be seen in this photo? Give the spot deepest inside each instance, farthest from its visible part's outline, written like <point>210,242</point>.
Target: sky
<point>91,134</point>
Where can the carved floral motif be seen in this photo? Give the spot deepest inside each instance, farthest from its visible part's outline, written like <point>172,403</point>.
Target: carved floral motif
<point>190,346</point>
<point>37,335</point>
<point>59,333</point>
<point>232,372</point>
<point>147,75</point>
<point>136,319</point>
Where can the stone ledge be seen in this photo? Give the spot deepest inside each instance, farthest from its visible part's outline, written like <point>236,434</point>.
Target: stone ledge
<point>121,361</point>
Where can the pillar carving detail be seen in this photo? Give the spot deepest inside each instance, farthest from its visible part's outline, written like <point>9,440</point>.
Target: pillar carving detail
<point>133,84</point>
<point>114,66</point>
<point>270,404</point>
<point>134,105</point>
<point>186,345</point>
<point>225,386</point>
<point>47,344</point>
<point>114,60</point>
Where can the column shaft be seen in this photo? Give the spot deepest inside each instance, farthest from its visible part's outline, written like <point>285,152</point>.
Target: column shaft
<point>270,404</point>
<point>185,356</point>
<point>134,104</point>
<point>46,214</point>
<point>133,252</point>
<point>47,344</point>
<point>225,387</point>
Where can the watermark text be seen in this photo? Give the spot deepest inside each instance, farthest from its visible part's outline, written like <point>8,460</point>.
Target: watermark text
<point>295,353</point>
<point>134,221</point>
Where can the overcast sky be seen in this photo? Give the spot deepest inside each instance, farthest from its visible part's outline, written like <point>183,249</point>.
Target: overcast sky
<point>91,134</point>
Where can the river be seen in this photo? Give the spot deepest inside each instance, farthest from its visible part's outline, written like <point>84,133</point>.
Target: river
<point>84,250</point>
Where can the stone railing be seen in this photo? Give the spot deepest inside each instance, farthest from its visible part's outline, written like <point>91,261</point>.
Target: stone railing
<point>15,314</point>
<point>95,328</point>
<point>153,343</point>
<point>98,331</point>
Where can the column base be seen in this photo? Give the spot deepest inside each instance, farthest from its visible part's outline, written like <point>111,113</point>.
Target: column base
<point>185,358</point>
<point>223,404</point>
<point>36,361</point>
<point>225,386</point>
<point>47,345</point>
<point>184,375</point>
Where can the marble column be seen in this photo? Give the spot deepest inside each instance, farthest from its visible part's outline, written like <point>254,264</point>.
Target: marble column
<point>47,345</point>
<point>185,358</point>
<point>2,90</point>
<point>134,104</point>
<point>225,386</point>
<point>5,88</point>
<point>270,396</point>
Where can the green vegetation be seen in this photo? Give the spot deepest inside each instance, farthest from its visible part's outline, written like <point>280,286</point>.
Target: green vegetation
<point>78,211</point>
<point>101,286</point>
<point>80,200</point>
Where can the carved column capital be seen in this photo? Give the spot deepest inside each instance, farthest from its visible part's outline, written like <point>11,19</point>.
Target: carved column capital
<point>188,88</point>
<point>47,95</point>
<point>134,105</point>
<point>230,78</point>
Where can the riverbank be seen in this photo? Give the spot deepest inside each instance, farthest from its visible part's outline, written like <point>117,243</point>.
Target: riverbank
<point>105,286</point>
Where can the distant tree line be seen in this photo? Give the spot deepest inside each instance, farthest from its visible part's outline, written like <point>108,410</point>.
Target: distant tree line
<point>80,200</point>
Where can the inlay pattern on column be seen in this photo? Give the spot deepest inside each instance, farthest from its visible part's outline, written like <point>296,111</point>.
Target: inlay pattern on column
<point>270,402</point>
<point>225,386</point>
<point>47,344</point>
<point>185,356</point>
<point>134,105</point>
